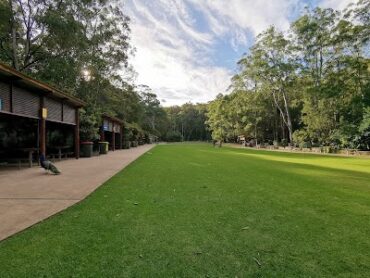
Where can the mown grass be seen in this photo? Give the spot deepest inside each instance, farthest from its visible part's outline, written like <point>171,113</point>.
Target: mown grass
<point>191,210</point>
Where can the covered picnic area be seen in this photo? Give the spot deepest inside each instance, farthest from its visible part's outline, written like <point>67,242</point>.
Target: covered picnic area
<point>35,119</point>
<point>111,131</point>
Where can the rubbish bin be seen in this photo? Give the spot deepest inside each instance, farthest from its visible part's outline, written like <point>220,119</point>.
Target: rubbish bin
<point>86,149</point>
<point>103,147</point>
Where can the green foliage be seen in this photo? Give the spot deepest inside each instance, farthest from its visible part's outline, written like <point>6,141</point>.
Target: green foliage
<point>89,125</point>
<point>365,123</point>
<point>39,35</point>
<point>217,118</point>
<point>154,118</point>
<point>362,140</point>
<point>310,87</point>
<point>301,137</point>
<point>173,136</point>
<point>188,121</point>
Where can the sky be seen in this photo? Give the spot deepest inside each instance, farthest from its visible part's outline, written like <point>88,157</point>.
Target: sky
<point>187,50</point>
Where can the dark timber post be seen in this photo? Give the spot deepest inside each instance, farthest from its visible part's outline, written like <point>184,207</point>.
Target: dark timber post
<point>120,137</point>
<point>77,135</point>
<point>102,136</point>
<point>42,131</point>
<point>113,138</point>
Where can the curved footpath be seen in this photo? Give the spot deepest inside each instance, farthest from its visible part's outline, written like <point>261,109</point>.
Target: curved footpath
<point>29,196</point>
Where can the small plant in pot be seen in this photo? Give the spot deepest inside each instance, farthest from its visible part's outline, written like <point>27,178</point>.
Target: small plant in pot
<point>88,132</point>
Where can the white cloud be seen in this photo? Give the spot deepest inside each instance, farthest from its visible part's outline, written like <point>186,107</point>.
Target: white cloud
<point>172,56</point>
<point>176,59</point>
<point>253,15</point>
<point>336,4</point>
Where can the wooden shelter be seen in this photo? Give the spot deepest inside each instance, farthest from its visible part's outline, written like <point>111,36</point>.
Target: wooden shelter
<point>112,131</point>
<point>24,98</point>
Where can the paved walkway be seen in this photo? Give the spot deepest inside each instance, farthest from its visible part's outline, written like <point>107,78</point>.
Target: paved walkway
<point>28,196</point>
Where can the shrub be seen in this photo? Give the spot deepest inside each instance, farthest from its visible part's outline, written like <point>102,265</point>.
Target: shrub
<point>89,125</point>
<point>126,144</point>
<point>305,145</point>
<point>173,136</point>
<point>284,143</point>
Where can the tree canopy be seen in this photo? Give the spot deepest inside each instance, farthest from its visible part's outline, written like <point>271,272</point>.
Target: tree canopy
<point>307,86</point>
<point>81,47</point>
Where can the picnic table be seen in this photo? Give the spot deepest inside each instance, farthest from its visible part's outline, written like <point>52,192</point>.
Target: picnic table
<point>60,150</point>
<point>30,152</point>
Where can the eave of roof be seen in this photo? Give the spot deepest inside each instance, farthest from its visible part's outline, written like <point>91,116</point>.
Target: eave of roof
<point>8,71</point>
<point>114,119</point>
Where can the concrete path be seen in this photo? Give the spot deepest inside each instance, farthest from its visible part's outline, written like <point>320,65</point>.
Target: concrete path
<point>28,196</point>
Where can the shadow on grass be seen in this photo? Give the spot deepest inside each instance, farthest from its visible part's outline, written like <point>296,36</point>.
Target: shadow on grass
<point>351,166</point>
<point>303,173</point>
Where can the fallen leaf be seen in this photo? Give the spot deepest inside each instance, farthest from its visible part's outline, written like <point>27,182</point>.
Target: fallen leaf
<point>257,261</point>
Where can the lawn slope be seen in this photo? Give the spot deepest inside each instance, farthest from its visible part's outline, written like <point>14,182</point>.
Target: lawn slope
<point>191,210</point>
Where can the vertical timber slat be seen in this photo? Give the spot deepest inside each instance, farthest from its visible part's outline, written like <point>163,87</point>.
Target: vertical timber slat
<point>42,135</point>
<point>11,97</point>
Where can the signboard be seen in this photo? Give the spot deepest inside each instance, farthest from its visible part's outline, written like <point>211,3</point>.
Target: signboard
<point>44,113</point>
<point>105,125</point>
<point>117,129</point>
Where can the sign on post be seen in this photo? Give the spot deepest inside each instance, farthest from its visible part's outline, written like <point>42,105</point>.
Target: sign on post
<point>44,113</point>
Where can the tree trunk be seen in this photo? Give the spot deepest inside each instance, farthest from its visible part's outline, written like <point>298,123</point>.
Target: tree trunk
<point>14,37</point>
<point>285,114</point>
<point>255,129</point>
<point>288,118</point>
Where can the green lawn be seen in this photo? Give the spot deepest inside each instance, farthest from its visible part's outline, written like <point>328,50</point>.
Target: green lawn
<point>191,210</point>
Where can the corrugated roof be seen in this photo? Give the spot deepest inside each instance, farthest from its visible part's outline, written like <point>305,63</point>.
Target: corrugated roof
<point>30,82</point>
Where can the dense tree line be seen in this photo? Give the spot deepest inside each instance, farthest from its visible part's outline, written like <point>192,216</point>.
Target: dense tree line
<point>308,86</point>
<point>81,47</point>
<point>187,123</point>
